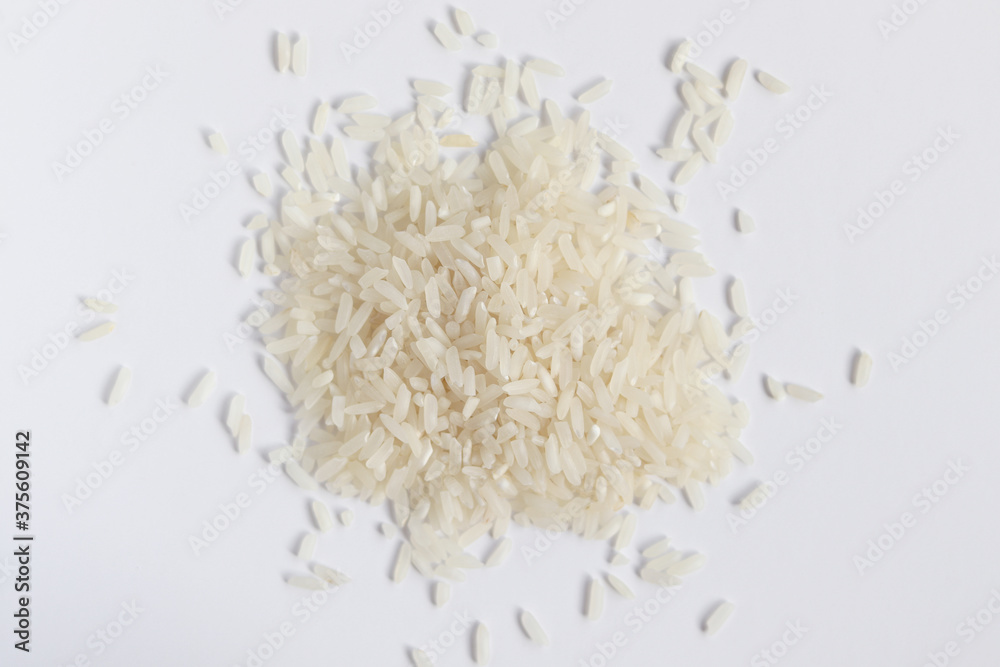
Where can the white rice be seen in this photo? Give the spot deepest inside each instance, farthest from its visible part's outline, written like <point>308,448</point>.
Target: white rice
<point>744,223</point>
<point>546,67</point>
<point>482,646</point>
<point>533,629</point>
<point>738,298</point>
<point>247,253</point>
<point>442,593</point>
<point>122,383</point>
<point>718,617</point>
<point>245,435</point>
<point>300,56</point>
<point>425,87</point>
<point>489,40</point>
<point>389,530</point>
<point>420,658</point>
<point>322,517</point>
<point>282,52</point>
<point>236,406</point>
<point>620,586</point>
<point>321,118</point>
<point>99,306</point>
<point>96,332</point>
<point>447,38</point>
<point>205,386</point>
<point>627,532</point>
<point>802,393</point>
<point>680,202</point>
<point>689,169</point>
<point>307,582</point>
<point>703,75</point>
<point>862,369</point>
<point>595,92</point>
<point>775,389</point>
<point>657,548</point>
<point>329,575</point>
<point>463,21</point>
<point>218,143</point>
<point>307,547</point>
<point>402,566</point>
<point>346,518</point>
<point>500,552</point>
<point>619,560</point>
<point>595,599</point>
<point>772,83</point>
<point>356,104</point>
<point>262,183</point>
<point>679,59</point>
<point>734,79</point>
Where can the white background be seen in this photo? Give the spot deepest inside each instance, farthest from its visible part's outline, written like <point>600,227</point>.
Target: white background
<point>792,562</point>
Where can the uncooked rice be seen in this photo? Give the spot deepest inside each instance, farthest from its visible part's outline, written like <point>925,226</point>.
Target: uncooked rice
<point>772,83</point>
<point>322,517</point>
<point>718,617</point>
<point>533,629</point>
<point>205,386</point>
<point>218,143</point>
<point>862,369</point>
<point>482,645</point>
<point>595,599</point>
<point>123,380</point>
<point>620,586</point>
<point>96,332</point>
<point>802,393</point>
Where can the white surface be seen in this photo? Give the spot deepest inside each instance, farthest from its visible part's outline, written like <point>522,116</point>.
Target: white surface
<point>791,563</point>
